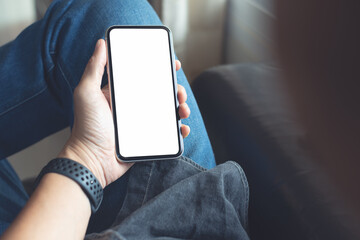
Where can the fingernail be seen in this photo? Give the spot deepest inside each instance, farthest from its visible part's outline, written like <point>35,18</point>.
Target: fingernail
<point>98,43</point>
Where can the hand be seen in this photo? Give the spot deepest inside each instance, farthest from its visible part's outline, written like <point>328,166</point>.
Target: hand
<point>92,141</point>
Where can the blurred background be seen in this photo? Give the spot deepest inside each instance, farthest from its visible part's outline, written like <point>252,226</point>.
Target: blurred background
<point>227,51</point>
<point>206,33</point>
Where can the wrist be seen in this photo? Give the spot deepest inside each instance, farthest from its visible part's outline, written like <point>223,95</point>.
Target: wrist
<point>76,151</point>
<point>55,180</point>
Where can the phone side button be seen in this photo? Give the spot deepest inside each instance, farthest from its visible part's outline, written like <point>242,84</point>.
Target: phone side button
<point>177,113</point>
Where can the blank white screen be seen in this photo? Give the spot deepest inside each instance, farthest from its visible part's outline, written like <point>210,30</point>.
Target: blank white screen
<point>144,95</point>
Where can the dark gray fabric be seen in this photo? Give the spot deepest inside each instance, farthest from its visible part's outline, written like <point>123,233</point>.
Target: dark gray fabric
<point>248,118</point>
<point>178,199</point>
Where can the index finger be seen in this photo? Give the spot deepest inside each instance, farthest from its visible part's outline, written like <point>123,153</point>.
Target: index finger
<point>178,65</point>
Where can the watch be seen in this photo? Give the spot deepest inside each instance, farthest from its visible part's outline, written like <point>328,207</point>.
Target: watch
<point>80,174</point>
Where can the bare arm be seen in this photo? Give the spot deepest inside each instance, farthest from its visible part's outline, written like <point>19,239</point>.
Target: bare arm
<point>58,209</point>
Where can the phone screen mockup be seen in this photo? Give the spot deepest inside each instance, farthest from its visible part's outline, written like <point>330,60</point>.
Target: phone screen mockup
<point>143,85</point>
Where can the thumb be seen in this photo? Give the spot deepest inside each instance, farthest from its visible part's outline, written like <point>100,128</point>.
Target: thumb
<point>95,68</point>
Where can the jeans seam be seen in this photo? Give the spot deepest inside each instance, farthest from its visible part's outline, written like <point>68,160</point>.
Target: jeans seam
<point>192,163</point>
<point>148,183</point>
<point>63,75</point>
<point>109,232</point>
<point>23,101</point>
<point>246,186</point>
<point>27,99</point>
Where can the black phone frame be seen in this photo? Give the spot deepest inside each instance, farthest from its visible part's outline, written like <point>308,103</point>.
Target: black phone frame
<point>112,94</point>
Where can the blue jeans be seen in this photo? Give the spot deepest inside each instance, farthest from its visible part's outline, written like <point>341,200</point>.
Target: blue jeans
<point>38,73</point>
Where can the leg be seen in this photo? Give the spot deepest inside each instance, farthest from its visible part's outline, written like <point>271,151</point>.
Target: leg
<point>12,195</point>
<point>40,69</point>
<point>80,30</point>
<point>50,57</point>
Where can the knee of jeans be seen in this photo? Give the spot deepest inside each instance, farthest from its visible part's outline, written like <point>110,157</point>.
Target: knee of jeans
<point>126,12</point>
<point>121,12</point>
<point>106,12</point>
<point>74,26</point>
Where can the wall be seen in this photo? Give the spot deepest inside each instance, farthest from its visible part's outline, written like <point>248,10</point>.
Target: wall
<point>15,15</point>
<point>249,35</point>
<point>197,27</point>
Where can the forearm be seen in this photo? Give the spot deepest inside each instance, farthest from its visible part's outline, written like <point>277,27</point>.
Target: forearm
<point>58,209</point>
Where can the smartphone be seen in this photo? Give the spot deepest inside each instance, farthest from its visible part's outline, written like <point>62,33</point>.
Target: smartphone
<point>143,91</point>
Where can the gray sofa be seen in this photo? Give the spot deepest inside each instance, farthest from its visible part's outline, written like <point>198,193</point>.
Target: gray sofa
<point>249,120</point>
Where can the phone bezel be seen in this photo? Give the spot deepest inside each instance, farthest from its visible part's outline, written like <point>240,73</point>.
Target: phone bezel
<point>112,94</point>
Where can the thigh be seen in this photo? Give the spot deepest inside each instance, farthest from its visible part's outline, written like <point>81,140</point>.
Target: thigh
<point>45,63</point>
<point>40,69</point>
<point>12,195</point>
<point>79,31</point>
<point>197,145</point>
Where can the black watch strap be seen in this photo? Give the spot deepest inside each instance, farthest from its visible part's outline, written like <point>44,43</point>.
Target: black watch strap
<point>80,174</point>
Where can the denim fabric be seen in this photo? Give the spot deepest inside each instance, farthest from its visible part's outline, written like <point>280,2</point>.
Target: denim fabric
<point>41,67</point>
<point>38,73</point>
<point>178,199</point>
<point>12,195</point>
